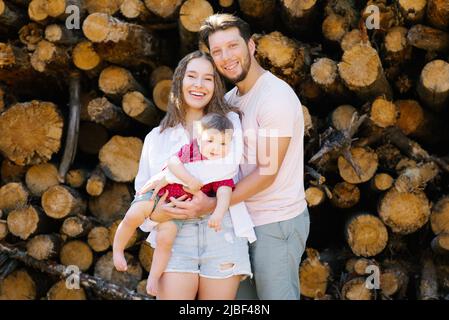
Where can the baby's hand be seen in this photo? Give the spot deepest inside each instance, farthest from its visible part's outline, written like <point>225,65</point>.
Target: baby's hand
<point>195,185</point>
<point>215,222</point>
<point>119,261</point>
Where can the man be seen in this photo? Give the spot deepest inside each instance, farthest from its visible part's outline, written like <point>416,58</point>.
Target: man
<point>271,181</point>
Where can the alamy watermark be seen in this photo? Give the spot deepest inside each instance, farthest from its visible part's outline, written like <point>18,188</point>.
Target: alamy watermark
<point>72,274</point>
<point>372,282</point>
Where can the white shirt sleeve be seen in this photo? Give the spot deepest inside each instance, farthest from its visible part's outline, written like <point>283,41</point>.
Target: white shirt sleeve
<point>219,169</point>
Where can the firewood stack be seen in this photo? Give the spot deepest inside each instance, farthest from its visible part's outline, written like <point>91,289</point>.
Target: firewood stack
<point>76,104</point>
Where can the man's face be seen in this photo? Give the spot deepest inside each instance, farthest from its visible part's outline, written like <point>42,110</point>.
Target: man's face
<point>231,54</point>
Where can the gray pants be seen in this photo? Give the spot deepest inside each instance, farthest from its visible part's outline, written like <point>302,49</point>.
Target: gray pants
<point>275,258</point>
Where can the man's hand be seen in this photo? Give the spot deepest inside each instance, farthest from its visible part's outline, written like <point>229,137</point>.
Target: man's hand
<point>199,205</point>
<point>162,213</point>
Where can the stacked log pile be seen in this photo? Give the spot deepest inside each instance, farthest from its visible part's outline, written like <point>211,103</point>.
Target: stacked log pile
<point>76,104</point>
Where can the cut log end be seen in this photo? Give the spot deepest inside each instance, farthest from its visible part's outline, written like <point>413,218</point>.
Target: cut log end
<point>19,285</point>
<point>345,195</point>
<point>193,13</point>
<point>314,275</point>
<point>314,196</point>
<point>41,177</point>
<point>439,219</point>
<point>382,182</point>
<point>367,236</point>
<point>161,93</point>
<point>146,256</point>
<point>61,201</point>
<point>367,161</point>
<point>24,222</point>
<point>13,195</point>
<point>356,289</point>
<point>60,291</point>
<point>44,247</point>
<point>383,113</point>
<point>84,56</point>
<point>77,253</point>
<point>98,239</point>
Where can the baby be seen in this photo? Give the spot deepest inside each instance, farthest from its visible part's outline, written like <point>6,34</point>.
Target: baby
<point>215,141</point>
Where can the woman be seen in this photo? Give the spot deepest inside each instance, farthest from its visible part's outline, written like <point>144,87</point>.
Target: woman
<point>204,264</point>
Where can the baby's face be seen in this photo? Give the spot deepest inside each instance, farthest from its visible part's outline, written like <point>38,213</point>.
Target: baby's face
<point>215,144</point>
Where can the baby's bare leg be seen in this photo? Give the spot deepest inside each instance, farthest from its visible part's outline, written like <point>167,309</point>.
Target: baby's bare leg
<point>134,217</point>
<point>166,234</point>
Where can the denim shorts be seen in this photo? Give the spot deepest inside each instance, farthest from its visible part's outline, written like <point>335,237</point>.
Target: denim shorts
<point>216,255</point>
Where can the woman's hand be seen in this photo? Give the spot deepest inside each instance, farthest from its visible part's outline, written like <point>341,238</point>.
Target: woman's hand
<point>161,212</point>
<point>199,205</point>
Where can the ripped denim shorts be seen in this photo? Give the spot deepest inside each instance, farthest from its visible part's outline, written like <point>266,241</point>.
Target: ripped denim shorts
<point>216,255</point>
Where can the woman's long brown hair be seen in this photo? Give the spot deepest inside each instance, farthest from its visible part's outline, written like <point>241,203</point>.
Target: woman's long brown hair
<point>176,108</point>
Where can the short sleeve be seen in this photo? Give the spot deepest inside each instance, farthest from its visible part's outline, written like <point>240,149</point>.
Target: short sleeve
<point>144,172</point>
<point>184,153</point>
<point>278,112</point>
<point>221,183</point>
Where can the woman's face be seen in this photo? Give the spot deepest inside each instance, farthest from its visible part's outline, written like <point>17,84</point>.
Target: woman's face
<point>198,83</point>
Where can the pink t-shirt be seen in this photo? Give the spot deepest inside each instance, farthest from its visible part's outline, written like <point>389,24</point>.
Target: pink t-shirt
<point>271,108</point>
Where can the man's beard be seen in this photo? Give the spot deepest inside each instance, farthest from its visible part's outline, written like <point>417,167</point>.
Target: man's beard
<point>245,69</point>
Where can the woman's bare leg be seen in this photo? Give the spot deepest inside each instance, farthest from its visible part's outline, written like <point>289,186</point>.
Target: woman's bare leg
<point>218,289</point>
<point>166,234</point>
<point>134,217</point>
<point>178,286</point>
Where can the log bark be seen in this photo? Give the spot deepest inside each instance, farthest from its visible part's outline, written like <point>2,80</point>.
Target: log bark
<point>104,112</point>
<point>366,235</point>
<point>13,195</point>
<point>428,286</point>
<point>191,15</point>
<point>92,137</point>
<point>361,71</point>
<point>404,212</point>
<point>433,85</point>
<point>101,287</point>
<point>119,158</point>
<point>314,275</point>
<point>112,204</point>
<point>61,35</point>
<point>76,253</point>
<point>96,182</point>
<point>98,239</point>
<point>10,172</point>
<point>40,127</point>
<point>160,73</point>
<point>77,226</point>
<point>41,177</point>
<point>44,246</point>
<point>438,13</point>
<point>416,177</point>
<point>397,52</point>
<point>10,15</point>
<point>4,231</point>
<point>394,279</point>
<point>428,38</point>
<point>260,13</point>
<point>116,81</point>
<point>61,201</point>
<point>146,256</point>
<point>31,34</point>
<point>345,195</point>
<point>351,39</point>
<point>299,16</point>
<point>105,269</point>
<point>115,39</point>
<point>439,219</point>
<point>27,221</point>
<point>440,244</point>
<point>59,291</point>
<point>140,108</point>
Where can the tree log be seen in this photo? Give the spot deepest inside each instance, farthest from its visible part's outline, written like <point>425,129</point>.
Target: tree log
<point>59,291</point>
<point>161,93</point>
<point>112,204</point>
<point>116,81</point>
<point>299,15</point>
<point>92,137</point>
<point>61,35</point>
<point>76,178</point>
<point>4,231</point>
<point>96,182</point>
<point>428,38</point>
<point>396,51</point>
<point>105,269</point>
<point>341,116</point>
<point>412,10</point>
<point>98,239</point>
<point>355,289</point>
<point>428,286</point>
<point>85,57</point>
<point>440,244</point>
<point>315,196</point>
<point>31,34</point>
<point>314,275</point>
<point>119,158</point>
<point>104,112</point>
<point>383,113</point>
<point>361,71</point>
<point>381,182</point>
<point>345,195</point>
<point>76,253</point>
<point>439,219</point>
<point>414,178</point>
<point>41,177</point>
<point>165,9</point>
<point>135,9</point>
<point>39,125</point>
<point>11,172</point>
<point>260,13</point>
<point>27,221</point>
<point>438,13</point>
<point>13,195</point>
<point>103,6</point>
<point>324,72</point>
<point>404,212</point>
<point>365,159</point>
<point>433,85</point>
<point>140,108</point>
<point>49,56</point>
<point>394,279</point>
<point>366,235</point>
<point>10,15</point>
<point>19,285</point>
<point>351,39</point>
<point>61,201</point>
<point>44,246</point>
<point>77,226</point>
<point>146,256</point>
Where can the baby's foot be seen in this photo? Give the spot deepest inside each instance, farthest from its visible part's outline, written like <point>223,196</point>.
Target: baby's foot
<point>120,261</point>
<point>152,286</point>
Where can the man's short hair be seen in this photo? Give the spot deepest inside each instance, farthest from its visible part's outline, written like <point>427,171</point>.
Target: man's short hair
<point>223,21</point>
